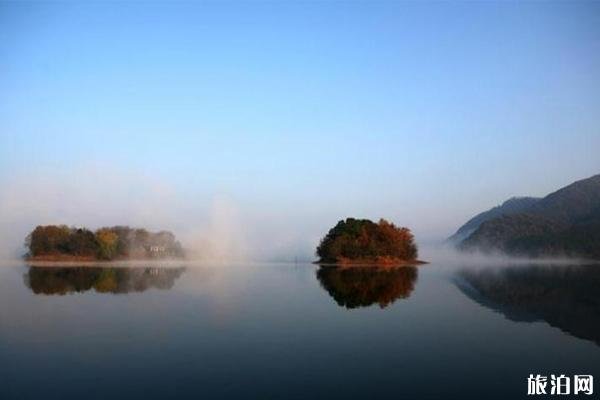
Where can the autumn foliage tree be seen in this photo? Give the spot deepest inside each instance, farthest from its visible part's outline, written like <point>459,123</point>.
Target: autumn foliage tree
<point>60,239</point>
<point>365,240</point>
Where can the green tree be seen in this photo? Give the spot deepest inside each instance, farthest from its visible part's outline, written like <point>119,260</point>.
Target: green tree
<point>107,243</point>
<point>49,239</point>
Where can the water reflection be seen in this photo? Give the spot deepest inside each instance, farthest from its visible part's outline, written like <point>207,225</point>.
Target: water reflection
<point>364,286</point>
<point>65,280</point>
<point>565,297</point>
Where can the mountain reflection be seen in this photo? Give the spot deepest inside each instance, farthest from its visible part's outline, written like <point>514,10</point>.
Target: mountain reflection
<point>564,297</point>
<point>61,281</point>
<point>364,286</point>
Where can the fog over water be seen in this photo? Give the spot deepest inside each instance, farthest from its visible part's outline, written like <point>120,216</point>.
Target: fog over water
<point>211,227</point>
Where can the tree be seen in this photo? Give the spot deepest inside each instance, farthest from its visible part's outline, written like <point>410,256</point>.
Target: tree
<point>107,243</point>
<point>49,239</point>
<point>82,242</point>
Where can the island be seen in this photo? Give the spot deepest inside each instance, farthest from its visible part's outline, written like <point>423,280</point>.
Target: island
<point>362,242</point>
<point>63,243</point>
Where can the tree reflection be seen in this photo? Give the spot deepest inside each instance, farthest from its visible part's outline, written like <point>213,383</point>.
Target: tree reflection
<point>61,281</point>
<point>565,297</point>
<point>364,286</point>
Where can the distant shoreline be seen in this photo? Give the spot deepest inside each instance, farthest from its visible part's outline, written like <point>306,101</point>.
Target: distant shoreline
<point>69,258</point>
<point>125,263</point>
<point>59,258</point>
<point>372,263</point>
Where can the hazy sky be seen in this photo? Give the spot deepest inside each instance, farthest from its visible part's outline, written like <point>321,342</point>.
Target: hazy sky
<point>264,123</point>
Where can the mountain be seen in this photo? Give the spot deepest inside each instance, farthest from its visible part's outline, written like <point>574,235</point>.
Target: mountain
<point>564,223</point>
<point>573,203</point>
<point>511,206</point>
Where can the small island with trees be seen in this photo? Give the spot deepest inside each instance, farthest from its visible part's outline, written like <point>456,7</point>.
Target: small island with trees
<point>63,243</point>
<point>361,242</point>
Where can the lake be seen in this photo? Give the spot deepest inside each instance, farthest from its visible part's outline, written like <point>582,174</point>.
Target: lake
<point>264,331</point>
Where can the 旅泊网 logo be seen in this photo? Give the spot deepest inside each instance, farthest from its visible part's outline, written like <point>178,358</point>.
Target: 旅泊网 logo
<point>560,385</point>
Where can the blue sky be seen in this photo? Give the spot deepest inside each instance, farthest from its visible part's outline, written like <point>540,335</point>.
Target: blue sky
<point>297,113</point>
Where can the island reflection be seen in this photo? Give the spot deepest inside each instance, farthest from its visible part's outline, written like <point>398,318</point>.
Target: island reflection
<point>565,297</point>
<point>364,286</point>
<point>114,280</point>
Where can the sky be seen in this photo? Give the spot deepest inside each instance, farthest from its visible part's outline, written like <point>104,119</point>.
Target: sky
<point>250,128</point>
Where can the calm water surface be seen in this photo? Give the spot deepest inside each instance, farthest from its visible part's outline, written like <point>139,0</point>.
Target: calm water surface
<point>265,331</point>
